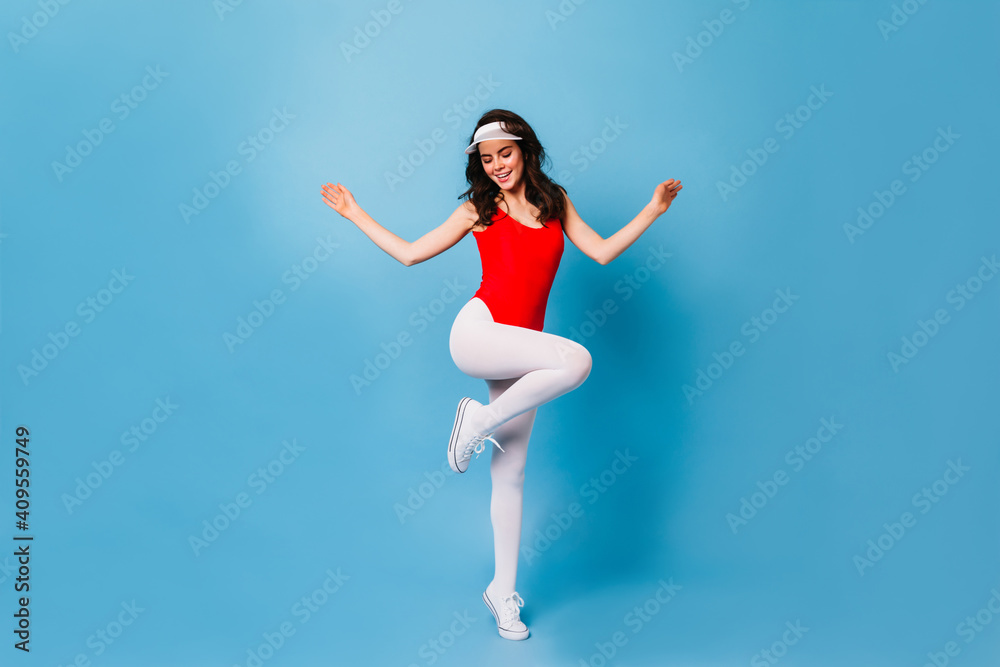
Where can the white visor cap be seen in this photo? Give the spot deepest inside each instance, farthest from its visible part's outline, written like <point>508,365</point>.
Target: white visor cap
<point>489,131</point>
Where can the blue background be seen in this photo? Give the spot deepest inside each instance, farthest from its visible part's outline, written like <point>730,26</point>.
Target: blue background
<point>367,453</point>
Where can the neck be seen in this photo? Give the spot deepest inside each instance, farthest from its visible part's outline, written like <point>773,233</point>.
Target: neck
<point>516,195</point>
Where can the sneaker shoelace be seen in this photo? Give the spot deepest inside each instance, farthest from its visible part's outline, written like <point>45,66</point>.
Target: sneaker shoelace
<point>478,445</point>
<point>510,609</point>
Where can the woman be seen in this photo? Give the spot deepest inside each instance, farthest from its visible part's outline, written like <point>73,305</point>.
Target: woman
<point>517,215</point>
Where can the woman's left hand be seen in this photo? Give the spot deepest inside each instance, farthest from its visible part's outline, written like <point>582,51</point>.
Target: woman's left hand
<point>664,195</point>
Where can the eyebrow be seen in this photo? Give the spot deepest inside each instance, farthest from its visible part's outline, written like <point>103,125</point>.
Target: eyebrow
<point>502,148</point>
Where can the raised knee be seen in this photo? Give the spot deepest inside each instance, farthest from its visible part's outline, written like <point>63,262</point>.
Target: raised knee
<point>576,360</point>
<point>581,365</point>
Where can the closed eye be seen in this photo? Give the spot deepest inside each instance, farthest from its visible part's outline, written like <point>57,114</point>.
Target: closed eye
<point>487,161</point>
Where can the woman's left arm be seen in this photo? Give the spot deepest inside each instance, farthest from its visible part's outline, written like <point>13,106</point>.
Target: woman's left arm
<point>603,250</point>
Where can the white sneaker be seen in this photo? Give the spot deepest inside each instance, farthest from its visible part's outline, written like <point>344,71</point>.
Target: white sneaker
<point>464,443</point>
<point>507,612</point>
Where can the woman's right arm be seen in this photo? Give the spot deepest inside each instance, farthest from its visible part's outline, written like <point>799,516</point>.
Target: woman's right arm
<point>407,253</point>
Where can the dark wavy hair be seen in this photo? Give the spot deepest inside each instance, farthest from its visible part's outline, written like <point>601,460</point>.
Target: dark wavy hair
<point>540,190</point>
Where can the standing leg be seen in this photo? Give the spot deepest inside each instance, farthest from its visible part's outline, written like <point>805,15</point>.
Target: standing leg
<point>507,473</point>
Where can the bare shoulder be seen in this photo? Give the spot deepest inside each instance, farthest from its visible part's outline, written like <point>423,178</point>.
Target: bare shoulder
<point>469,208</point>
<point>569,210</point>
<point>470,216</point>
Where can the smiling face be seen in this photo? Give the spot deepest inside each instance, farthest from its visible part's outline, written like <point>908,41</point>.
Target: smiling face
<point>502,161</point>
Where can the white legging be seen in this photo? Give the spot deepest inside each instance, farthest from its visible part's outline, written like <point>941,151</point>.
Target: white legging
<point>523,369</point>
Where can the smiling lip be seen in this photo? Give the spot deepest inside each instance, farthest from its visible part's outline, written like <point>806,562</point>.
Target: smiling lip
<point>504,179</point>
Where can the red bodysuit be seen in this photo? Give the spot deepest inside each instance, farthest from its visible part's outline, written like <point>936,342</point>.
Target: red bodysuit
<point>519,265</point>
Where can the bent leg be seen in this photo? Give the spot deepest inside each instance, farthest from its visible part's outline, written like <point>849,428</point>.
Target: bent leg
<point>543,365</point>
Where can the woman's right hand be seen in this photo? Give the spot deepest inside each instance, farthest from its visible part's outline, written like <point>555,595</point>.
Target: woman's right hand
<point>340,199</point>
